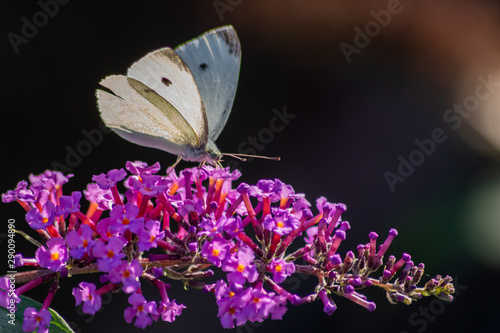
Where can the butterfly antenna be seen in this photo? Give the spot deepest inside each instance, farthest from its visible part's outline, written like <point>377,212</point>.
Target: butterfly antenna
<point>241,157</point>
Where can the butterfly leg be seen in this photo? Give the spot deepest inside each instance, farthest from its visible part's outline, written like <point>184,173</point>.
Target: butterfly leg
<point>172,167</point>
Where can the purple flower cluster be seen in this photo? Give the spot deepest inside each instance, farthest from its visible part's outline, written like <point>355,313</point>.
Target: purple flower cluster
<point>199,219</point>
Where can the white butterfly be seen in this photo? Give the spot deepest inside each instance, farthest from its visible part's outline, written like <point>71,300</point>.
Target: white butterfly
<point>176,100</point>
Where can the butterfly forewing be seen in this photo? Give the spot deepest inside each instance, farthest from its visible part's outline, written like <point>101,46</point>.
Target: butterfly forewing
<point>164,72</point>
<point>141,116</point>
<point>214,60</point>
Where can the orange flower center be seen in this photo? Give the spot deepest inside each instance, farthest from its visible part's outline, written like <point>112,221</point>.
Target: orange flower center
<point>125,221</point>
<point>231,293</point>
<point>215,252</point>
<point>232,311</point>
<point>126,274</point>
<point>256,300</point>
<point>90,297</point>
<point>280,224</point>
<point>110,254</point>
<point>152,239</point>
<point>240,268</point>
<point>38,319</point>
<point>140,308</point>
<point>85,243</point>
<point>45,220</point>
<point>278,268</point>
<point>54,256</point>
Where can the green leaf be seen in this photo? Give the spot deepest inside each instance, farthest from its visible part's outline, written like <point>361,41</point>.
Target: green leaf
<point>9,325</point>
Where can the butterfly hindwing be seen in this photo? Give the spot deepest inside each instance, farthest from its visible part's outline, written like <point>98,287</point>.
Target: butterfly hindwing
<point>214,60</point>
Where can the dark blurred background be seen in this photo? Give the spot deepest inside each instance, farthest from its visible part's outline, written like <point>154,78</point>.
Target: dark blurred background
<point>356,117</point>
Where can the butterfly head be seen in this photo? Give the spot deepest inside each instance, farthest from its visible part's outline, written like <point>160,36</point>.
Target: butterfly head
<point>209,154</point>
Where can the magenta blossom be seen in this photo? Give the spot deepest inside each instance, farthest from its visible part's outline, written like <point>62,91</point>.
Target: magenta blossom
<point>124,218</point>
<point>240,266</point>
<point>167,311</point>
<point>110,179</point>
<point>86,293</point>
<point>109,255</point>
<point>281,221</point>
<point>140,310</point>
<point>55,257</point>
<point>41,220</point>
<point>69,204</point>
<point>149,235</point>
<point>128,274</point>
<point>216,250</point>
<point>80,242</point>
<point>36,321</point>
<point>281,269</point>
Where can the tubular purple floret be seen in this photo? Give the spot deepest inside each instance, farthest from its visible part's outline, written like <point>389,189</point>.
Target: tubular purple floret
<point>348,260</point>
<point>339,210</point>
<point>361,250</point>
<point>431,284</point>
<point>373,243</point>
<point>356,282</point>
<point>310,259</point>
<point>405,271</point>
<point>404,259</point>
<point>35,282</point>
<point>348,289</point>
<point>370,306</point>
<point>386,276</point>
<point>50,295</point>
<point>187,183</point>
<point>344,225</point>
<point>447,279</point>
<point>385,246</point>
<point>329,306</point>
<point>390,262</point>
<point>339,237</point>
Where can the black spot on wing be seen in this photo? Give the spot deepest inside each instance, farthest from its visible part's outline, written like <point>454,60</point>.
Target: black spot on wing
<point>203,67</point>
<point>166,81</point>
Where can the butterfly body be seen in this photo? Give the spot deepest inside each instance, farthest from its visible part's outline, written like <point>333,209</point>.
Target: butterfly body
<point>177,100</point>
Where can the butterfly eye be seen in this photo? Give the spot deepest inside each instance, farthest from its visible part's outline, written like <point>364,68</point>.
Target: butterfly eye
<point>166,81</point>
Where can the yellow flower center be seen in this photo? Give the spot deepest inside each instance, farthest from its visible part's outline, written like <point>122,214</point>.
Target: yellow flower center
<point>110,254</point>
<point>215,252</point>
<point>280,224</point>
<point>54,256</point>
<point>231,293</point>
<point>278,268</point>
<point>240,268</point>
<point>45,220</point>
